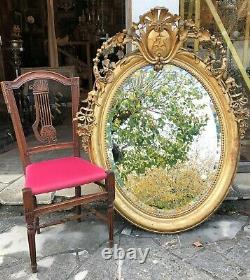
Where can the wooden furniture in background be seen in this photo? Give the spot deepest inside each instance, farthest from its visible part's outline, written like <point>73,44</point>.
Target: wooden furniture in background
<point>56,174</point>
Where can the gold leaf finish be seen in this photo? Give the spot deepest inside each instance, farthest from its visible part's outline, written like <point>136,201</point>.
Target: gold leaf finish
<point>159,37</point>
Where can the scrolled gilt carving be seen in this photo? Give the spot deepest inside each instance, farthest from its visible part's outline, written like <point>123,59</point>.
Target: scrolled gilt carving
<point>86,118</point>
<point>216,65</point>
<point>159,36</point>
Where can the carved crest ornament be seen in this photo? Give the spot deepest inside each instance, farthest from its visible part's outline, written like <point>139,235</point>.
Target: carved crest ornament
<point>159,36</point>
<point>159,42</point>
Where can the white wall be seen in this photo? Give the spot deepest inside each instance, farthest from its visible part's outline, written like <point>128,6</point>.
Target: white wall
<point>139,7</point>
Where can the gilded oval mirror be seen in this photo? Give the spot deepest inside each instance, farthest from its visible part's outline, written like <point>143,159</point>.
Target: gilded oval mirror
<point>163,139</point>
<point>166,121</point>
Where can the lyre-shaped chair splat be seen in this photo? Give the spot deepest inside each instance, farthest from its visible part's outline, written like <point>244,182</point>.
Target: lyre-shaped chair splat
<point>43,129</point>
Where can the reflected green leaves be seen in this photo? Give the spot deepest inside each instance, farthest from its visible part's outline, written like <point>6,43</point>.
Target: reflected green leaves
<point>157,133</point>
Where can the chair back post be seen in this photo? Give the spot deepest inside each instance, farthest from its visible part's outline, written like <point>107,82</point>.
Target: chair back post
<point>10,101</point>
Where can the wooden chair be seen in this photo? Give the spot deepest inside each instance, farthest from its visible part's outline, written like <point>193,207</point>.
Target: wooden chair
<point>54,174</point>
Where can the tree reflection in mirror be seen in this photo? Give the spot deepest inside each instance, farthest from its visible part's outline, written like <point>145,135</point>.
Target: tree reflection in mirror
<point>163,138</point>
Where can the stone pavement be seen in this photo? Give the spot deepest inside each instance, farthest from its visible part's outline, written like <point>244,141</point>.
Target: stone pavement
<point>73,251</point>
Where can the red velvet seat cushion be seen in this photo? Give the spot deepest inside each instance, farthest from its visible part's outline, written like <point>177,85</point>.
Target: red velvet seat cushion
<point>56,174</point>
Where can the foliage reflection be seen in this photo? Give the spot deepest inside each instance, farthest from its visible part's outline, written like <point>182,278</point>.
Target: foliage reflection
<point>163,138</point>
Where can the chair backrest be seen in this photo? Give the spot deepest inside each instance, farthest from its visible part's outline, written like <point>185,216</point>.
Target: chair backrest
<point>43,128</point>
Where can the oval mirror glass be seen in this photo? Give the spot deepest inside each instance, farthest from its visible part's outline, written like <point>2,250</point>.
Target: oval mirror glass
<point>163,139</point>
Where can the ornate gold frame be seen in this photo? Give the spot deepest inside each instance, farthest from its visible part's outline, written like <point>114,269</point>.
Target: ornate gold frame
<point>159,38</point>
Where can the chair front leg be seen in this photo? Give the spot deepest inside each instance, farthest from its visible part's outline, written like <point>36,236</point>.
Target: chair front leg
<point>110,187</point>
<point>28,203</point>
<point>78,193</point>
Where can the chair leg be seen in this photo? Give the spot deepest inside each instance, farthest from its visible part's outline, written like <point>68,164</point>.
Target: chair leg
<point>110,187</point>
<point>32,247</point>
<point>78,207</point>
<point>28,202</point>
<point>111,225</point>
<point>37,218</point>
